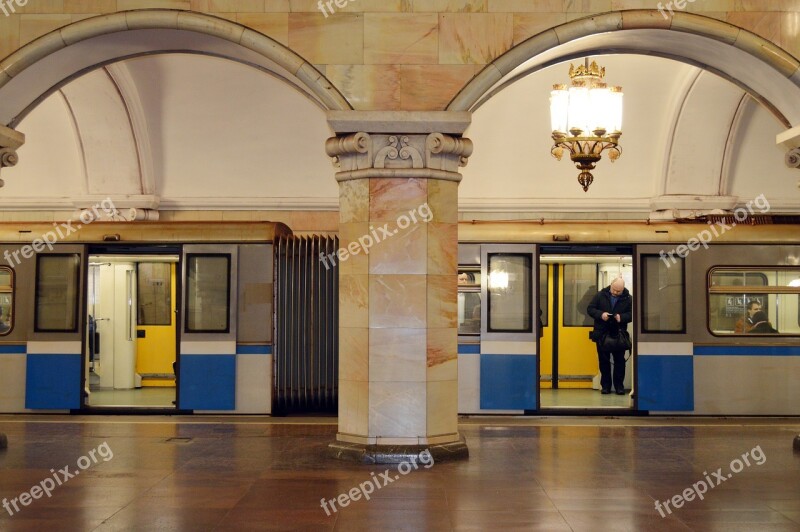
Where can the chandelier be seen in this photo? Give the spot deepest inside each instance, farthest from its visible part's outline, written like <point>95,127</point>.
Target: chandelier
<point>586,119</point>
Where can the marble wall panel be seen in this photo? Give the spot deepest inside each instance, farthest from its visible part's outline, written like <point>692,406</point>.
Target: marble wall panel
<point>403,252</point>
<point>442,411</point>
<point>397,301</point>
<point>354,201</point>
<point>392,198</point>
<point>474,38</point>
<point>354,354</point>
<point>275,25</point>
<point>368,87</point>
<point>397,355</point>
<point>397,409</point>
<point>442,248</point>
<point>443,200</point>
<point>354,300</point>
<point>337,40</point>
<point>442,306</point>
<point>354,400</point>
<point>401,38</point>
<point>357,259</point>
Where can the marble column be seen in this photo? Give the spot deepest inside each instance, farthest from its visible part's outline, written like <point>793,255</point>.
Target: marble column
<point>10,141</point>
<point>398,376</point>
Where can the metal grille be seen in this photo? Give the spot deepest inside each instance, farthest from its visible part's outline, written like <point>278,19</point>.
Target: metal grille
<point>306,326</point>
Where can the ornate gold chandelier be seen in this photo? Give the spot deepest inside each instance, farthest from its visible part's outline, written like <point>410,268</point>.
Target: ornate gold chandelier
<point>588,106</point>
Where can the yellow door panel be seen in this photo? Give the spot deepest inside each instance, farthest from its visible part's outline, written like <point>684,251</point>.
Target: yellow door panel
<point>577,355</point>
<point>156,350</point>
<point>546,341</point>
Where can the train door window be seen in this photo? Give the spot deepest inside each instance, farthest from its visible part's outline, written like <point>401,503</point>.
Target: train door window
<point>664,298</point>
<point>57,283</point>
<point>6,300</point>
<point>469,301</point>
<point>509,292</point>
<point>754,301</point>
<point>208,293</point>
<point>154,293</point>
<point>580,286</point>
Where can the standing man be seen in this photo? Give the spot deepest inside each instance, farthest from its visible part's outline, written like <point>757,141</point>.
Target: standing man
<point>611,310</point>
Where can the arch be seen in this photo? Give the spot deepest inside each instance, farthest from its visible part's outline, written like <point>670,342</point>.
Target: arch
<point>764,70</point>
<point>42,66</point>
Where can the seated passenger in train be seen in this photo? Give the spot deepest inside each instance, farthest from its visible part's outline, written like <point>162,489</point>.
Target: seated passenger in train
<point>745,324</point>
<point>761,324</point>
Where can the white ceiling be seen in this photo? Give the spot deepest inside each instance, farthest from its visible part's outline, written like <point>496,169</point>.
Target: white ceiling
<point>181,131</point>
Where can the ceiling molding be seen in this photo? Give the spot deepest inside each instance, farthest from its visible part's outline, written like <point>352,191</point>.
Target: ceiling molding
<point>129,93</point>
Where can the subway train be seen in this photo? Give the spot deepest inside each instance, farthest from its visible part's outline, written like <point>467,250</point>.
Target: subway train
<point>696,289</point>
<point>115,316</point>
<point>241,318</point>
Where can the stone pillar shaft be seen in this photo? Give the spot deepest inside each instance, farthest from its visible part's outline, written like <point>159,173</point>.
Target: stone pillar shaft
<point>398,259</point>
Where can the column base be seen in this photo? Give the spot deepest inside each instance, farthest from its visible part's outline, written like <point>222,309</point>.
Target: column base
<point>3,441</point>
<point>397,454</point>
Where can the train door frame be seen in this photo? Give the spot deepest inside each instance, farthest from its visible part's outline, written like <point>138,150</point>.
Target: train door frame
<point>629,250</point>
<point>133,250</point>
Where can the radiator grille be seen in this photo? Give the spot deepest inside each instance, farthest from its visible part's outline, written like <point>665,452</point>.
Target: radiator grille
<point>306,326</point>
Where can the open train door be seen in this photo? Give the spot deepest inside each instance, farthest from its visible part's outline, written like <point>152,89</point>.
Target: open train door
<point>53,376</point>
<point>206,366</point>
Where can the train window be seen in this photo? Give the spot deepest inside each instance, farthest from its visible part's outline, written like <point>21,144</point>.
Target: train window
<point>544,284</point>
<point>580,286</point>
<point>6,300</point>
<point>746,301</point>
<point>57,285</point>
<point>154,293</point>
<point>664,297</point>
<point>509,289</point>
<point>469,301</point>
<point>208,292</point>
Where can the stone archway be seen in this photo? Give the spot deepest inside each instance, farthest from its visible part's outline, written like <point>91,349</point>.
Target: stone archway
<point>767,72</point>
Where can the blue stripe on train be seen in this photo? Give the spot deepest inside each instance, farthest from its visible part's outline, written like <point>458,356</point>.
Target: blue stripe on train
<point>7,349</point>
<point>263,349</point>
<point>52,381</point>
<point>666,383</point>
<point>208,382</point>
<point>508,382</point>
<point>469,349</point>
<point>747,350</point>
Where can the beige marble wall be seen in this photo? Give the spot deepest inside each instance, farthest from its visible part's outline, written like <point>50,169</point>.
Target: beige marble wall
<point>401,54</point>
<point>398,336</point>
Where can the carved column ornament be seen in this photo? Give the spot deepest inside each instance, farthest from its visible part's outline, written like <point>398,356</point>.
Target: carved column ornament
<point>434,156</point>
<point>793,158</point>
<point>10,141</point>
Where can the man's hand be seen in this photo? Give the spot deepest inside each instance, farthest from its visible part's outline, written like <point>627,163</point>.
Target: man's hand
<point>618,318</point>
<point>605,316</point>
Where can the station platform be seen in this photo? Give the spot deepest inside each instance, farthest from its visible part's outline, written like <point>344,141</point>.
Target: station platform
<point>199,473</point>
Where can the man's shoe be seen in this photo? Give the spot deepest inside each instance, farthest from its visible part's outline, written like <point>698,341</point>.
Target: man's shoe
<point>620,392</point>
<point>605,391</point>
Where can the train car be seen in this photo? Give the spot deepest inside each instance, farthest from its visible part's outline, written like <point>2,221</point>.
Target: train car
<point>154,316</point>
<point>524,344</point>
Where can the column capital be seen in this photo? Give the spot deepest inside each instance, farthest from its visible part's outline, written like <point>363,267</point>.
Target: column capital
<point>425,156</point>
<point>10,140</point>
<point>793,158</point>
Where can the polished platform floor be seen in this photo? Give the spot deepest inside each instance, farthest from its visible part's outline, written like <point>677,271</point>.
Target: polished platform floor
<point>582,474</point>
